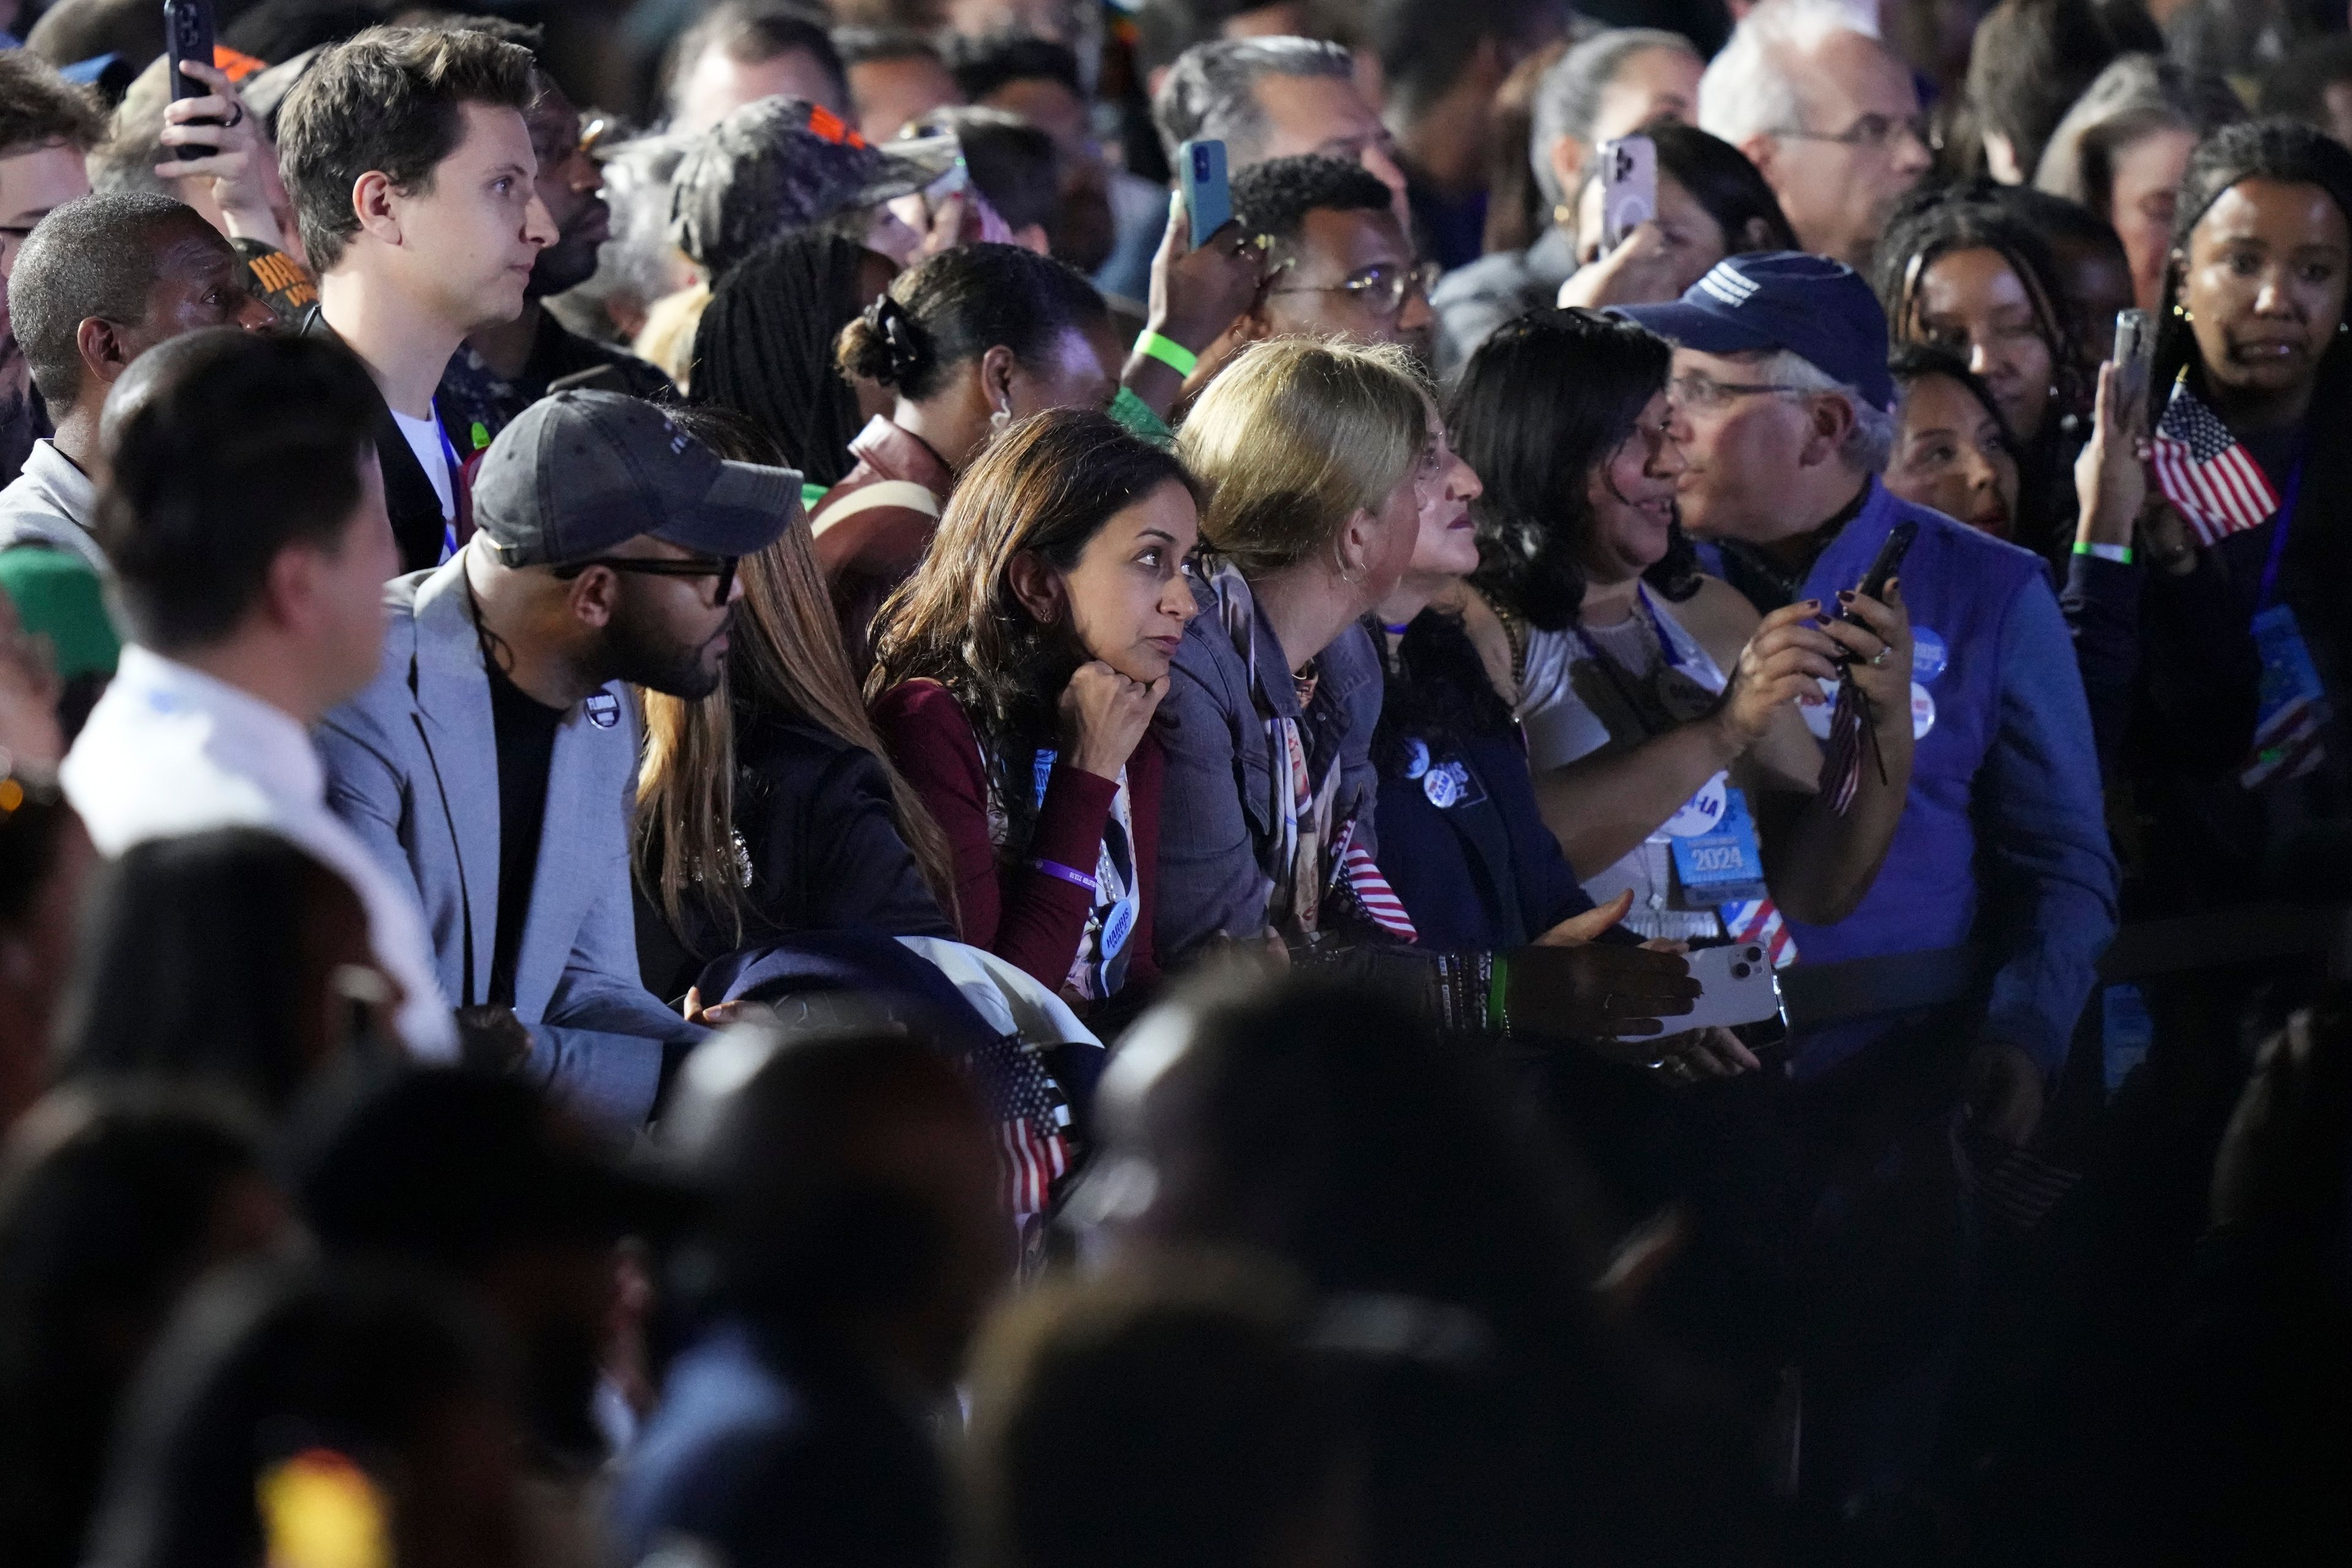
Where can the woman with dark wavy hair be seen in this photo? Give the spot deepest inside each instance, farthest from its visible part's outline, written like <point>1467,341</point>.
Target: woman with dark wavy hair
<point>1958,270</point>
<point>1015,675</point>
<point>1655,703</point>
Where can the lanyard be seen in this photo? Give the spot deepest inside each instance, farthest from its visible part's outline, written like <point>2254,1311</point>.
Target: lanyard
<point>1641,709</point>
<point>2278,536</point>
<point>449,459</point>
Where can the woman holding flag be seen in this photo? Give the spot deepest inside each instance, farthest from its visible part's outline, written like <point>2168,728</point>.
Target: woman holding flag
<point>2246,628</point>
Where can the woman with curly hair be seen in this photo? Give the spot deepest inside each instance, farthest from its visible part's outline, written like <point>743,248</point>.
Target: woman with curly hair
<point>1958,270</point>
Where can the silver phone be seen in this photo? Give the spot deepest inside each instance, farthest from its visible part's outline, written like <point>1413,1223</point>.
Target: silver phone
<point>1628,187</point>
<point>2135,355</point>
<point>1737,985</point>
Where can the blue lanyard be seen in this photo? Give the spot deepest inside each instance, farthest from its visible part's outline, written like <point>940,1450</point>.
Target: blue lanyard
<point>2278,536</point>
<point>449,459</point>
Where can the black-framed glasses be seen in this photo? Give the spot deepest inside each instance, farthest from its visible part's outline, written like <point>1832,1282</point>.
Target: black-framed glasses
<point>719,566</point>
<point>1384,286</point>
<point>1873,130</point>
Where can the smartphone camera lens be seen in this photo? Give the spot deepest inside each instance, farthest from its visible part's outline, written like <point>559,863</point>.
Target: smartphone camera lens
<point>1741,970</point>
<point>1754,955</point>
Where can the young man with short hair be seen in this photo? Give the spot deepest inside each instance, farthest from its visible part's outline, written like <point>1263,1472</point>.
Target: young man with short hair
<point>47,126</point>
<point>492,762</point>
<point>245,521</point>
<point>414,181</point>
<point>102,281</point>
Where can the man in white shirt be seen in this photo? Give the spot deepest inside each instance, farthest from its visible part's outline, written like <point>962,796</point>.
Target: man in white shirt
<point>412,172</point>
<point>246,524</point>
<point>102,281</point>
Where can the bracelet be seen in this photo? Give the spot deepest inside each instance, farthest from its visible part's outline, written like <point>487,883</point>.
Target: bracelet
<point>2121,554</point>
<point>1498,989</point>
<point>1077,878</point>
<point>1168,352</point>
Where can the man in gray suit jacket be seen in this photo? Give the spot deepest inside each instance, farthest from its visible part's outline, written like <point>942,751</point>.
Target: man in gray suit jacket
<point>494,759</point>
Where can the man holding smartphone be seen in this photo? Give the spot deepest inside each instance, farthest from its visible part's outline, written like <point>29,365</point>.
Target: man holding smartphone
<point>1781,403</point>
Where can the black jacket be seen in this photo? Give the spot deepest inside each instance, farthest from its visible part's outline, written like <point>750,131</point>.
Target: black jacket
<point>817,824</point>
<point>409,497</point>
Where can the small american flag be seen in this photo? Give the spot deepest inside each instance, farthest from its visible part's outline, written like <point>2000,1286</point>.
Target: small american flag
<point>1032,1117</point>
<point>1759,920</point>
<point>1354,870</point>
<point>2212,481</point>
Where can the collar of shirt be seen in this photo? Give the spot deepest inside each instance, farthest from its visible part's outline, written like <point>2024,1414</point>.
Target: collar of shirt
<point>251,738</point>
<point>53,485</point>
<point>892,452</point>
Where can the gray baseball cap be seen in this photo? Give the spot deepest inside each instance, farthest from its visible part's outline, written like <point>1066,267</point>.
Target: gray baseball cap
<point>579,472</point>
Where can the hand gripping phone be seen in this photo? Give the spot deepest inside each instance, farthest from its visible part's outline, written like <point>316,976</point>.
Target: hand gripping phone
<point>188,35</point>
<point>1882,570</point>
<point>1736,986</point>
<point>1208,197</point>
<point>1628,188</point>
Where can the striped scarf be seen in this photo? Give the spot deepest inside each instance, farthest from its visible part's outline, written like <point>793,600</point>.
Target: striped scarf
<point>1314,860</point>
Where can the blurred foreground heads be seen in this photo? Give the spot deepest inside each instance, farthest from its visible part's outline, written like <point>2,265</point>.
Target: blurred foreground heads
<point>855,1237</point>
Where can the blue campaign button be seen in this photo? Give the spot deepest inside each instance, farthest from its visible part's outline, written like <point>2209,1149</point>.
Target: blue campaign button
<point>1929,654</point>
<point>1416,758</point>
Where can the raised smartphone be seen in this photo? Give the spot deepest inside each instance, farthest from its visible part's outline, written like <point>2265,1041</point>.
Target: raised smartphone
<point>1208,197</point>
<point>2134,355</point>
<point>1628,187</point>
<point>188,35</point>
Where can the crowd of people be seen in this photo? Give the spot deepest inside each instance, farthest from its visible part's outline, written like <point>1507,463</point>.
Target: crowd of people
<point>747,819</point>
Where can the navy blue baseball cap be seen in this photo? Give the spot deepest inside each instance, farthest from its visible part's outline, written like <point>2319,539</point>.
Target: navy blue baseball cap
<point>1815,308</point>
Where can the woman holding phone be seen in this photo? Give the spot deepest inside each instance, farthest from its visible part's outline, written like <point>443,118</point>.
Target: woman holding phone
<point>1662,715</point>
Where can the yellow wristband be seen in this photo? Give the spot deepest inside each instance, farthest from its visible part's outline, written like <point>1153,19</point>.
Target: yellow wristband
<point>1168,352</point>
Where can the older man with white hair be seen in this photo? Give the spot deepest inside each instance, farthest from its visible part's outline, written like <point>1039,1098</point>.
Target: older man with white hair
<point>1829,114</point>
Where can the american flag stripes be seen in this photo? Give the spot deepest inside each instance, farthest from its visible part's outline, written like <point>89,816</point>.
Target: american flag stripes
<point>1759,920</point>
<point>1354,870</point>
<point>2212,481</point>
<point>1031,1118</point>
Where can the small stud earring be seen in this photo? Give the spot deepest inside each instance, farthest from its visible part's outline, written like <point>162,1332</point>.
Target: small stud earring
<point>2181,311</point>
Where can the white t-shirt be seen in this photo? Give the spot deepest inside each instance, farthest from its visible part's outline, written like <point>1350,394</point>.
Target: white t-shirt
<point>424,439</point>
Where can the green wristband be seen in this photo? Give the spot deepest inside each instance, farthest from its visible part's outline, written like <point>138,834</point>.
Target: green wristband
<point>1168,352</point>
<point>2121,554</point>
<point>1498,990</point>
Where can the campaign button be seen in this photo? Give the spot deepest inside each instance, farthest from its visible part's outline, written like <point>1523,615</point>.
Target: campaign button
<point>1702,813</point>
<point>1928,655</point>
<point>1923,711</point>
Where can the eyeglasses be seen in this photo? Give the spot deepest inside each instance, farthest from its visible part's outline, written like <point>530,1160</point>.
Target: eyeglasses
<point>719,566</point>
<point>1874,130</point>
<point>1380,286</point>
<point>1708,394</point>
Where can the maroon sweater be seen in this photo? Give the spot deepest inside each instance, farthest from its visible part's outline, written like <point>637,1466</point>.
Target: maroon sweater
<point>1016,911</point>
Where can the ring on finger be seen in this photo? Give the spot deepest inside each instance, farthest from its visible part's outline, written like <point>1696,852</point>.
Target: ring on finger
<point>1878,661</point>
<point>236,117</point>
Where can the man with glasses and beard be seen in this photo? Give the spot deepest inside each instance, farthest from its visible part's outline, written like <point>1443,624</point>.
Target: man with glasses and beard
<point>491,761</point>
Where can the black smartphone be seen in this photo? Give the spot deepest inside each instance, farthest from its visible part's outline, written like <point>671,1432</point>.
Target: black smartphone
<point>188,35</point>
<point>1882,571</point>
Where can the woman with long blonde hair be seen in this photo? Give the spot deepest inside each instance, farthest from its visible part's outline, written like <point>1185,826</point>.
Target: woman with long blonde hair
<point>769,808</point>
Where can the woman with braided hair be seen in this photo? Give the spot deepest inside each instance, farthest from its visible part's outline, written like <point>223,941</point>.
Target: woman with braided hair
<point>967,342</point>
<point>764,349</point>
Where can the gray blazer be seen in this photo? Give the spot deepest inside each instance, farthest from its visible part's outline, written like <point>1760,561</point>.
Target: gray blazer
<point>413,765</point>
